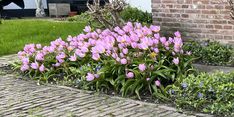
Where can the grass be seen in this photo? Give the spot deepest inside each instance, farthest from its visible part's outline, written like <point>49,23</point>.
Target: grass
<point>14,34</point>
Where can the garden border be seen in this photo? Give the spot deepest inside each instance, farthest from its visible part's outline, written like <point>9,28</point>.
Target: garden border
<point>6,60</point>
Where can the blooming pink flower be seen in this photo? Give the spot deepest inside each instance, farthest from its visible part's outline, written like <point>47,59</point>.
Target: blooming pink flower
<point>177,44</point>
<point>42,68</point>
<point>138,25</point>
<point>25,61</point>
<point>121,55</point>
<point>35,65</point>
<point>147,79</point>
<point>130,75</point>
<point>56,64</point>
<point>90,77</point>
<point>157,36</point>
<point>84,49</point>
<point>143,46</point>
<point>96,75</point>
<point>73,58</point>
<point>38,46</point>
<point>176,61</point>
<point>24,67</point>
<point>142,67</point>
<point>95,57</point>
<point>40,56</point>
<point>79,53</point>
<point>155,28</point>
<point>157,83</point>
<point>156,50</point>
<point>163,40</point>
<point>188,52</point>
<point>177,34</point>
<point>123,61</point>
<point>134,45</point>
<point>29,49</point>
<point>70,48</point>
<point>117,59</point>
<point>21,54</point>
<point>87,29</point>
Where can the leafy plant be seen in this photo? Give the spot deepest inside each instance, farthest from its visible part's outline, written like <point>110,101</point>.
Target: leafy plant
<point>211,53</point>
<point>211,93</point>
<point>127,14</point>
<point>136,15</point>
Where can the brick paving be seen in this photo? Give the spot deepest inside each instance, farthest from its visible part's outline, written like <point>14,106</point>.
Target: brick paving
<point>20,98</point>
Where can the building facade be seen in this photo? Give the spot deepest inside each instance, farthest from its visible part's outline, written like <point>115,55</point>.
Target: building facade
<point>13,10</point>
<point>196,19</point>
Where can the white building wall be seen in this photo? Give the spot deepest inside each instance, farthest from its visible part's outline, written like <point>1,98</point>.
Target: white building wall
<point>29,4</point>
<point>144,5</point>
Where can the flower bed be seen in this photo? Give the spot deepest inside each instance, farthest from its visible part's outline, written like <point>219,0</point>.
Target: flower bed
<point>131,60</point>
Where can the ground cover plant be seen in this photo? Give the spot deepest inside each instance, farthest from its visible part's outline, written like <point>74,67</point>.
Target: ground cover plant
<point>211,52</point>
<point>212,93</point>
<point>130,60</point>
<point>14,34</point>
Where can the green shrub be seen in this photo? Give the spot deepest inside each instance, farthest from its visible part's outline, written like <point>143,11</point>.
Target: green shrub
<point>128,14</point>
<point>213,93</point>
<point>211,53</point>
<point>136,15</point>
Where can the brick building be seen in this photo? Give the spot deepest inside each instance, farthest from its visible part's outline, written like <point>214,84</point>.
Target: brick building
<point>196,19</point>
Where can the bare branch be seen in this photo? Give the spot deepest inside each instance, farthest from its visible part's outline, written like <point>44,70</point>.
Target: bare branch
<point>109,15</point>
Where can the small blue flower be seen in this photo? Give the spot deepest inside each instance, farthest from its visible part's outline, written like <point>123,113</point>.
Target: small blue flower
<point>184,85</point>
<point>78,81</point>
<point>211,89</point>
<point>201,84</point>
<point>171,91</point>
<point>81,68</point>
<point>200,95</point>
<point>98,68</point>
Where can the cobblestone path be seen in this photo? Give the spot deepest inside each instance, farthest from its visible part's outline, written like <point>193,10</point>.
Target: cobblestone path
<point>20,98</point>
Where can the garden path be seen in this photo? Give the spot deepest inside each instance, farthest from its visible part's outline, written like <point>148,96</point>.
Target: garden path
<point>25,98</point>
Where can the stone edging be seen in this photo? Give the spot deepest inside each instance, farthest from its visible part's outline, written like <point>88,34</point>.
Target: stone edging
<point>210,69</point>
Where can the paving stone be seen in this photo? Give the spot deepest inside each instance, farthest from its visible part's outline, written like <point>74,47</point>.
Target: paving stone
<point>26,98</point>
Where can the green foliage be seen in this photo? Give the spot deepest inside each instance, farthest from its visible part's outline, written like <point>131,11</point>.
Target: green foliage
<point>211,53</point>
<point>211,93</point>
<point>136,15</point>
<point>128,14</point>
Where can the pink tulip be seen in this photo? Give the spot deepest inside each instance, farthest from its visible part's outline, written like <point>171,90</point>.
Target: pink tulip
<point>142,67</point>
<point>123,61</point>
<point>87,29</point>
<point>35,65</point>
<point>42,68</point>
<point>176,61</point>
<point>90,77</point>
<point>130,75</point>
<point>157,83</point>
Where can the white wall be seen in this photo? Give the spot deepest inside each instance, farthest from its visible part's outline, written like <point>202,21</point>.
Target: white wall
<point>142,4</point>
<point>29,4</point>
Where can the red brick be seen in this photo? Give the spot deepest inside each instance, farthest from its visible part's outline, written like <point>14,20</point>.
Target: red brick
<point>196,19</point>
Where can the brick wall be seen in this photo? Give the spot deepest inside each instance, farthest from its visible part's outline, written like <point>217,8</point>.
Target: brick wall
<point>196,19</point>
